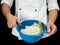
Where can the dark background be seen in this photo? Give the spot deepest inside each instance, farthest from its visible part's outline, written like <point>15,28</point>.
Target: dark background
<point>6,36</point>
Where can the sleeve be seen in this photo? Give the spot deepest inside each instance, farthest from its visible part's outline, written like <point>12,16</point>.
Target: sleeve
<point>52,4</point>
<point>8,2</point>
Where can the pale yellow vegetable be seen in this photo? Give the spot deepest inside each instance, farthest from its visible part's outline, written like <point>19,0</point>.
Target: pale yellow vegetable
<point>36,28</point>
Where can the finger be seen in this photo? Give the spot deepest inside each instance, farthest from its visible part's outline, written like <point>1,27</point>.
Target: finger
<point>18,21</point>
<point>14,25</point>
<point>53,30</point>
<point>9,26</point>
<point>48,28</point>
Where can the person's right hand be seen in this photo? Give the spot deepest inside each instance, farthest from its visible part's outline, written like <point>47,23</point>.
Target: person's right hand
<point>12,21</point>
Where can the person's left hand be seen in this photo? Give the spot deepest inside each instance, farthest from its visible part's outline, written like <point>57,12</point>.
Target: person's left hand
<point>51,28</point>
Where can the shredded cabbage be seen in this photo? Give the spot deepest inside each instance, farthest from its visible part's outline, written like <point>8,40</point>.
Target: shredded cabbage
<point>36,28</point>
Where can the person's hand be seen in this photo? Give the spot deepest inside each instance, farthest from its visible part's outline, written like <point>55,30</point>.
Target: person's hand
<point>11,21</point>
<point>51,28</point>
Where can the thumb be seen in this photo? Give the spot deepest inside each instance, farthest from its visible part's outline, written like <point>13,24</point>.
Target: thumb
<point>18,21</point>
<point>48,28</point>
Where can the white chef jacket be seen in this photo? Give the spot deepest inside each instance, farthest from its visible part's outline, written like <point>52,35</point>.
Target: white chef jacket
<point>32,9</point>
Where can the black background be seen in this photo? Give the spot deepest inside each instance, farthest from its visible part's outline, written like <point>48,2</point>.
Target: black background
<point>6,36</point>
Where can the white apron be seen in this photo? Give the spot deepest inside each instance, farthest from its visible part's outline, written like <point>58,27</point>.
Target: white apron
<point>32,9</point>
<point>27,9</point>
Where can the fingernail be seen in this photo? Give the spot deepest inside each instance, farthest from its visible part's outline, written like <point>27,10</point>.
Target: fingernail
<point>49,30</point>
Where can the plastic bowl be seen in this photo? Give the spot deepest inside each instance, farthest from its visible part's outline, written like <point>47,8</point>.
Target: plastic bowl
<point>30,38</point>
